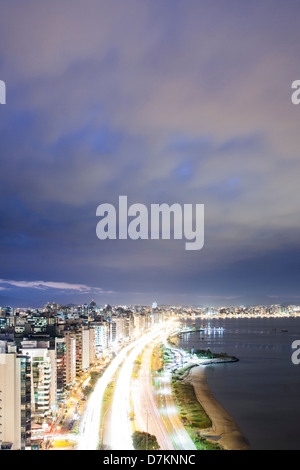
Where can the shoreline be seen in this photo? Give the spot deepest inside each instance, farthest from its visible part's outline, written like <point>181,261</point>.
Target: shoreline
<point>224,431</point>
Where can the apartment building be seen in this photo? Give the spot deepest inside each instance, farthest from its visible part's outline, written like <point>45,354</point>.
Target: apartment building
<point>101,337</point>
<point>43,376</point>
<point>70,357</point>
<point>15,399</point>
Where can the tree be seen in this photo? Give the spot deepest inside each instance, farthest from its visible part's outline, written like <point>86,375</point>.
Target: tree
<point>144,441</point>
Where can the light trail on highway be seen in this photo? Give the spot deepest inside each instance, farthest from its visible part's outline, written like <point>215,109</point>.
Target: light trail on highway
<point>164,423</point>
<point>148,417</point>
<point>119,435</point>
<point>90,422</point>
<point>177,431</point>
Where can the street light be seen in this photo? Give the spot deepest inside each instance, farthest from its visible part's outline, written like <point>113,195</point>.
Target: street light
<point>147,413</point>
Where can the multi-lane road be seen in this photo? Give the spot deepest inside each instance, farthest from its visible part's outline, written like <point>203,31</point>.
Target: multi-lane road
<point>135,403</point>
<point>147,412</point>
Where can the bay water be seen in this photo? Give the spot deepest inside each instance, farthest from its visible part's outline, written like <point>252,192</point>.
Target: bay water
<point>262,390</point>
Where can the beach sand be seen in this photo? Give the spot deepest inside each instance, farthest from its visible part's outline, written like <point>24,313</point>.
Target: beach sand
<point>224,430</point>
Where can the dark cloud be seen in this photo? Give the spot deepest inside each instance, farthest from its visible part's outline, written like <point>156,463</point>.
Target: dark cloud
<point>163,102</point>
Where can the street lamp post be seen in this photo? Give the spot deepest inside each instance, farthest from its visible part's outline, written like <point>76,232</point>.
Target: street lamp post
<point>147,413</point>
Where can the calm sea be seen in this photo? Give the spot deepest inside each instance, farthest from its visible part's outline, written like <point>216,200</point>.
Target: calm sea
<point>262,390</point>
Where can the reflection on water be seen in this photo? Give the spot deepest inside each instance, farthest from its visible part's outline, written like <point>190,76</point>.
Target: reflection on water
<point>262,390</point>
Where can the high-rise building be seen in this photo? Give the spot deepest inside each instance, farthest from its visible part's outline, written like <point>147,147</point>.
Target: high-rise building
<point>112,332</point>
<point>85,349</point>
<point>15,399</point>
<point>101,337</point>
<point>84,343</point>
<point>92,352</point>
<point>61,353</point>
<point>70,360</point>
<point>43,376</point>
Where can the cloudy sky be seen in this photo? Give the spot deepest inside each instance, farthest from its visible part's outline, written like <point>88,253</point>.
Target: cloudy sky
<point>165,101</point>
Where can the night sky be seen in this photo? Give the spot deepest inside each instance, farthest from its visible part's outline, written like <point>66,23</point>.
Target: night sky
<point>164,101</point>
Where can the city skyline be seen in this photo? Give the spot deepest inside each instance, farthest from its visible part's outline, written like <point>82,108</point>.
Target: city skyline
<point>163,103</point>
<point>60,366</point>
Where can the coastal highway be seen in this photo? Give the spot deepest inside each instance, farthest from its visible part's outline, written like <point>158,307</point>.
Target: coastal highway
<point>153,414</point>
<point>154,408</point>
<point>118,426</point>
<point>148,417</point>
<point>90,422</point>
<point>177,431</point>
